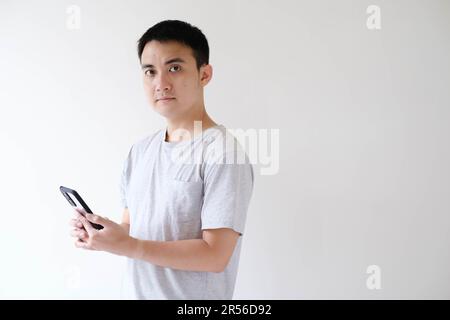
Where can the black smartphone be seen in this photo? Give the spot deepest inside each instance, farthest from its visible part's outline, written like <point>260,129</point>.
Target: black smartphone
<point>75,200</point>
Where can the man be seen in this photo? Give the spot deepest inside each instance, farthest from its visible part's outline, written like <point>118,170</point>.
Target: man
<point>183,215</point>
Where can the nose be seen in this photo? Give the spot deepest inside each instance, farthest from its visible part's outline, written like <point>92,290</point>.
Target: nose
<point>162,84</point>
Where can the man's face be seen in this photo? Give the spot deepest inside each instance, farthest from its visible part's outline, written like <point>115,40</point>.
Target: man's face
<point>170,72</point>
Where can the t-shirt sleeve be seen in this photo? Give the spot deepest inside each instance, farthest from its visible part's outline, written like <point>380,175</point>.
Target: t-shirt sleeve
<point>124,179</point>
<point>227,192</point>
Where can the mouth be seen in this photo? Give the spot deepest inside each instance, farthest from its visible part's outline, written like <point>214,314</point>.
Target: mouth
<point>165,99</point>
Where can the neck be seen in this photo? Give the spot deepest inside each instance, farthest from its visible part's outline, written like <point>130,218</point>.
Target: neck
<point>183,129</point>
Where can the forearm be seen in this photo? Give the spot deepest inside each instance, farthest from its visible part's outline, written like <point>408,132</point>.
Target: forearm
<point>190,255</point>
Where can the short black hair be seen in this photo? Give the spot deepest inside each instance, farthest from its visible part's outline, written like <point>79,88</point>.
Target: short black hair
<point>180,31</point>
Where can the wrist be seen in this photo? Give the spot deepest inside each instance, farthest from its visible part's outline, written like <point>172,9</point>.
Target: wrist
<point>135,251</point>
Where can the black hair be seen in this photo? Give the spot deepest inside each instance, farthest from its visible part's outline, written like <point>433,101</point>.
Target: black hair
<point>182,32</point>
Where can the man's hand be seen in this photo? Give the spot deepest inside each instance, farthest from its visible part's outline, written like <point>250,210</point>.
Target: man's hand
<point>112,238</point>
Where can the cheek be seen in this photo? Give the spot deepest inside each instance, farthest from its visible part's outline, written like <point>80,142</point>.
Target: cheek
<point>149,94</point>
<point>148,89</point>
<point>147,85</point>
<point>187,89</point>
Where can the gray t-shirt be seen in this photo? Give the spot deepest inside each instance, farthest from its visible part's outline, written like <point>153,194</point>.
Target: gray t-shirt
<point>175,190</point>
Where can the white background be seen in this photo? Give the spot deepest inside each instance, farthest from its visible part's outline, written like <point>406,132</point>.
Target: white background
<point>364,140</point>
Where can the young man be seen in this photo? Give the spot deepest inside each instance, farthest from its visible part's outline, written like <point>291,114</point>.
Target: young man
<point>185,189</point>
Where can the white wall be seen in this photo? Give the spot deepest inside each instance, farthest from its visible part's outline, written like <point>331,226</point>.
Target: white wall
<point>364,140</point>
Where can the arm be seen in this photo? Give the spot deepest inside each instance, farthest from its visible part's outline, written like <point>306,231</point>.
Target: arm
<point>210,254</point>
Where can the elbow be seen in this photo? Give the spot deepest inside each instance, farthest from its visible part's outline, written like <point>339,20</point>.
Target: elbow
<point>218,269</point>
<point>220,266</point>
<point>218,260</point>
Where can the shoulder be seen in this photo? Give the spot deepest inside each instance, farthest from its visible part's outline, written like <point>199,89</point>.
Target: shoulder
<point>222,146</point>
<point>146,142</point>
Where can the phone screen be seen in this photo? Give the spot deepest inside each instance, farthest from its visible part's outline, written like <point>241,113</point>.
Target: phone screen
<point>76,201</point>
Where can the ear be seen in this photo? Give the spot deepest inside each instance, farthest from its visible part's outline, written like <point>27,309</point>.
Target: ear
<point>206,72</point>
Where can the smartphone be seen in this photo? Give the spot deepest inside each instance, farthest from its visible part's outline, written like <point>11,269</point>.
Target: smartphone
<point>75,200</point>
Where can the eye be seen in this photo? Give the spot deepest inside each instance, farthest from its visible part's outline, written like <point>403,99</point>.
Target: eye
<point>178,68</point>
<point>149,72</point>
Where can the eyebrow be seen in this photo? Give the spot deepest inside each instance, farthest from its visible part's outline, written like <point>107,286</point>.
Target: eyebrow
<point>179,60</point>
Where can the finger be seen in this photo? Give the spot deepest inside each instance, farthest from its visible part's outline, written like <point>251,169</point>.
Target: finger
<point>75,233</point>
<point>78,233</point>
<point>78,218</point>
<point>87,226</point>
<point>97,219</point>
<point>83,245</point>
<point>75,223</point>
<point>79,210</point>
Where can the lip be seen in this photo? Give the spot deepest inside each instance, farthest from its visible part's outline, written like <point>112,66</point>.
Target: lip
<point>165,99</point>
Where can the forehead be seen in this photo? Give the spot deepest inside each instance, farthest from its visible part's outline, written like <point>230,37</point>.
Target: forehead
<point>156,52</point>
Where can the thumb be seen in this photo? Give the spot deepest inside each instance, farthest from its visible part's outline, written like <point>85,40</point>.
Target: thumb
<point>97,219</point>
